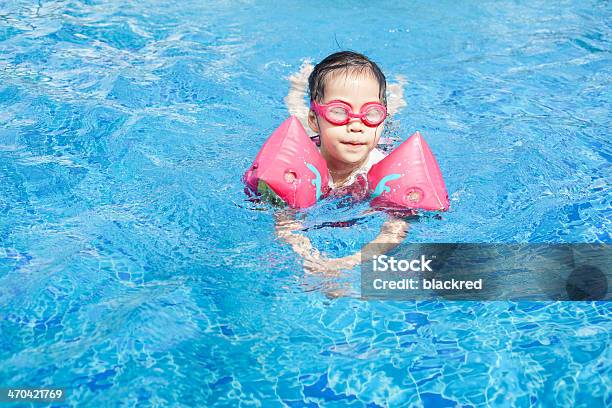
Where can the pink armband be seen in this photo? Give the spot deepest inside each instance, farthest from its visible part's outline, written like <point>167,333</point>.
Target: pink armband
<point>290,165</point>
<point>409,177</point>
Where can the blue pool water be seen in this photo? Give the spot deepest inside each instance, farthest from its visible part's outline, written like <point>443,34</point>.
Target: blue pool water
<point>133,269</point>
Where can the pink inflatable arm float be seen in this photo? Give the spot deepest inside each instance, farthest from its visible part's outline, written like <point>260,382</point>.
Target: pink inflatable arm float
<point>290,165</point>
<point>409,177</point>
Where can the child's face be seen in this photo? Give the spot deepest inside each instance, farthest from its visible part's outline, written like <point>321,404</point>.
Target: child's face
<point>348,144</point>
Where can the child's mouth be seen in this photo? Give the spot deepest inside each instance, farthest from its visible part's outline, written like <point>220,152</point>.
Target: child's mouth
<point>354,143</point>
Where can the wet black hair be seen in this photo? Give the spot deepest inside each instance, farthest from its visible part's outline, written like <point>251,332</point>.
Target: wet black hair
<point>347,61</point>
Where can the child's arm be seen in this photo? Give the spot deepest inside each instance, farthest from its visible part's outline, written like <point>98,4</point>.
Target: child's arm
<point>295,99</point>
<point>391,234</point>
<point>286,225</point>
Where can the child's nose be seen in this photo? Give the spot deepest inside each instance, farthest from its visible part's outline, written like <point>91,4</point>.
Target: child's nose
<point>355,125</point>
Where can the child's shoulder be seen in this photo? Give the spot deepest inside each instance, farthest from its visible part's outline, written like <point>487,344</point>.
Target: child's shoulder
<point>375,156</point>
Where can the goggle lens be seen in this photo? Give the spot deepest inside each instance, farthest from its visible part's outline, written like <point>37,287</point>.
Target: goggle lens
<point>374,116</point>
<point>338,114</point>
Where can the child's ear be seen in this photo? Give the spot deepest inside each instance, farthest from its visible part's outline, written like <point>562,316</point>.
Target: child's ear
<point>312,122</point>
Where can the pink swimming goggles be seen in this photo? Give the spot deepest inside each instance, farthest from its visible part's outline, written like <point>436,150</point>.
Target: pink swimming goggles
<point>372,114</point>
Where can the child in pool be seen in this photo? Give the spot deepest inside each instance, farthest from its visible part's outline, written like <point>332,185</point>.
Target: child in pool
<point>348,111</point>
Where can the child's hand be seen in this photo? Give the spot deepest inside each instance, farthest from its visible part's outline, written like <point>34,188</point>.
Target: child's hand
<point>319,264</point>
<point>300,78</point>
<point>332,268</point>
<point>395,95</point>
